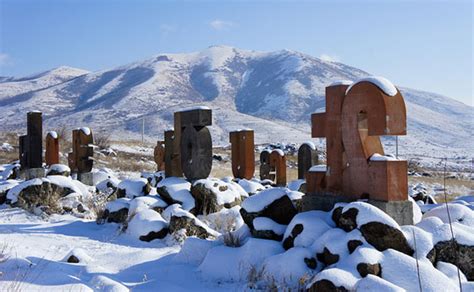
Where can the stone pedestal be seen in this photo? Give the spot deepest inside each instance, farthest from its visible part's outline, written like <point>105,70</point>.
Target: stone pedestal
<point>400,211</point>
<point>86,178</point>
<point>31,173</point>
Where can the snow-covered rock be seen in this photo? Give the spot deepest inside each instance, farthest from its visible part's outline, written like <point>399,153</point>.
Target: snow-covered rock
<point>176,190</point>
<point>147,225</point>
<point>59,169</point>
<point>131,188</point>
<point>211,195</point>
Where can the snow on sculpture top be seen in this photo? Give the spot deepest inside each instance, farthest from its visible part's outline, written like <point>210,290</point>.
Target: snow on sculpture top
<point>381,82</point>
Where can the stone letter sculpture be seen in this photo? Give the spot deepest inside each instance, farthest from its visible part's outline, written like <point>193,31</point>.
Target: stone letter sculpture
<point>243,153</point>
<point>278,165</point>
<point>195,142</point>
<point>265,167</point>
<point>80,159</point>
<point>31,144</point>
<point>352,124</point>
<point>172,162</point>
<point>159,155</point>
<point>52,148</point>
<point>307,157</point>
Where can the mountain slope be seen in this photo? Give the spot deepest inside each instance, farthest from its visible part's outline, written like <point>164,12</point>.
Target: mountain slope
<point>273,92</point>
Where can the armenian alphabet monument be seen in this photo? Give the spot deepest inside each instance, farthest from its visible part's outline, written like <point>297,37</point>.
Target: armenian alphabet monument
<point>356,167</point>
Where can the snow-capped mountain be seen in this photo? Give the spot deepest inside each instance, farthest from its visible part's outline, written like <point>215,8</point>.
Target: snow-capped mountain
<point>271,92</point>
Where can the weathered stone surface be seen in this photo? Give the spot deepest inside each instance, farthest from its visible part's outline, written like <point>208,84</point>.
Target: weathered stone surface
<point>289,241</point>
<point>73,259</point>
<point>281,211</point>
<point>455,253</point>
<point>383,237</point>
<point>347,220</point>
<point>31,144</point>
<point>307,157</point>
<point>243,153</point>
<point>266,234</point>
<point>326,286</point>
<point>187,223</point>
<point>374,269</point>
<point>118,216</point>
<point>154,235</point>
<point>196,152</point>
<point>46,194</point>
<point>327,258</point>
<point>353,244</point>
<point>206,199</point>
<point>311,263</point>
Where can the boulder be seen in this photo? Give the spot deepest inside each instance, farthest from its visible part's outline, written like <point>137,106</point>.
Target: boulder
<point>326,286</point>
<point>132,188</point>
<point>153,178</point>
<point>211,195</point>
<point>327,258</point>
<point>59,169</point>
<point>116,211</point>
<point>40,192</point>
<point>147,225</point>
<point>176,190</point>
<point>305,228</point>
<point>5,186</point>
<point>454,253</point>
<point>180,219</point>
<point>266,228</point>
<point>10,171</point>
<point>353,244</point>
<point>365,269</point>
<point>383,236</point>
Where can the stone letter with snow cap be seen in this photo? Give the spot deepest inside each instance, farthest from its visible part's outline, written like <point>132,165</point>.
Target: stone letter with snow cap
<point>195,143</point>
<point>80,159</point>
<point>357,167</point>
<point>243,153</point>
<point>159,155</point>
<point>307,157</point>
<point>52,148</point>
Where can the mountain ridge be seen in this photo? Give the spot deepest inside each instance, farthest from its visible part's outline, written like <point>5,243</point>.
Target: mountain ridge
<point>272,92</point>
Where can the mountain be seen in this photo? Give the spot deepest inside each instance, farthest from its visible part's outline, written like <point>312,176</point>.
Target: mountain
<point>271,92</point>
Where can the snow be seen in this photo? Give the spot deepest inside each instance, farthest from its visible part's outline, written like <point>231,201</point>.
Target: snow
<point>379,157</point>
<point>262,199</point>
<point>6,147</point>
<point>119,204</point>
<point>337,276</point>
<point>235,264</point>
<point>133,187</point>
<point>369,213</point>
<point>226,193</point>
<point>194,250</point>
<point>146,202</point>
<point>144,222</point>
<point>341,82</point>
<point>264,223</point>
<point>459,213</point>
<point>279,151</point>
<point>313,227</point>
<point>250,186</point>
<point>13,193</point>
<point>60,168</point>
<point>310,144</point>
<point>318,168</point>
<point>288,269</point>
<point>8,184</point>
<point>295,185</point>
<point>53,134</point>
<point>193,108</point>
<point>384,84</point>
<point>81,255</point>
<point>85,130</point>
<point>179,190</point>
<point>373,283</point>
<point>451,271</point>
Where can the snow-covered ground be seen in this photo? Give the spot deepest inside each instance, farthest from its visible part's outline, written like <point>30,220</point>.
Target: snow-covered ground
<point>221,235</point>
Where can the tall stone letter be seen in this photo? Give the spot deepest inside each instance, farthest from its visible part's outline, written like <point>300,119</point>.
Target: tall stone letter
<point>243,153</point>
<point>52,148</point>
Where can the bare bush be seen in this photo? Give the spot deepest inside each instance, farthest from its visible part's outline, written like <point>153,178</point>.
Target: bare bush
<point>102,140</point>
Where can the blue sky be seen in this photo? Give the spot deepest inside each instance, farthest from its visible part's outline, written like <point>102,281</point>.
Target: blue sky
<point>420,44</point>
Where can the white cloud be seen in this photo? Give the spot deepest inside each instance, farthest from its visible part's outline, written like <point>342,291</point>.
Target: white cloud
<point>4,59</point>
<point>219,24</point>
<point>329,58</point>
